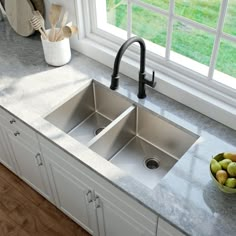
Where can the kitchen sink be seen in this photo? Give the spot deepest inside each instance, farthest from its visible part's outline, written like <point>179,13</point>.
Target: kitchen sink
<point>88,113</point>
<point>131,137</point>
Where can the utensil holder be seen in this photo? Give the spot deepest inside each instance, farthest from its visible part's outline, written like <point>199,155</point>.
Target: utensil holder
<point>57,53</point>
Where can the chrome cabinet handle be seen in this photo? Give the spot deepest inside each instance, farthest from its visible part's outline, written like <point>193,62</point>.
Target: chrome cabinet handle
<point>89,196</point>
<point>97,202</point>
<point>12,121</point>
<point>38,159</point>
<point>17,133</point>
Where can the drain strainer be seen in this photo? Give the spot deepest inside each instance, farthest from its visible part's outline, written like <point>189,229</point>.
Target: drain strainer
<point>152,163</point>
<point>97,131</point>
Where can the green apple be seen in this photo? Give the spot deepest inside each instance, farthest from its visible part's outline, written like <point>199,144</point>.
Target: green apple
<point>231,169</point>
<point>230,182</point>
<point>224,163</point>
<point>215,166</point>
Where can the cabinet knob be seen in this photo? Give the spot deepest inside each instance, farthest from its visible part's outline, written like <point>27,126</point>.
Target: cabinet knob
<point>17,133</point>
<point>97,202</point>
<point>12,121</point>
<point>89,196</point>
<point>38,159</point>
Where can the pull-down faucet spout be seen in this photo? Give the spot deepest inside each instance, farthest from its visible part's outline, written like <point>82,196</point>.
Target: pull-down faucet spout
<point>142,80</point>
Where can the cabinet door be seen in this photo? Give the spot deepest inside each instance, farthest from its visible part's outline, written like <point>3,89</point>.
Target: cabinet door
<point>74,198</point>
<point>5,157</point>
<point>30,165</point>
<point>113,222</point>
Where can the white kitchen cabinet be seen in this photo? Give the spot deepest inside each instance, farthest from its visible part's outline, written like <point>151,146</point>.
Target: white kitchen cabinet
<point>75,199</point>
<point>30,165</point>
<point>112,221</point>
<point>79,195</point>
<point>24,150</point>
<point>165,229</point>
<point>72,193</point>
<point>5,157</point>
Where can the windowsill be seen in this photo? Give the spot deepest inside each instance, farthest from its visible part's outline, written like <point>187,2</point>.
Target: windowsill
<point>206,104</point>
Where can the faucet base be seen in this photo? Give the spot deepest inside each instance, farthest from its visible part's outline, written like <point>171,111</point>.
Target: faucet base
<point>141,95</point>
<point>114,82</point>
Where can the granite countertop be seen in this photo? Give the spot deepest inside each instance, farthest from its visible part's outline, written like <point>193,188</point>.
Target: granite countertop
<point>186,197</point>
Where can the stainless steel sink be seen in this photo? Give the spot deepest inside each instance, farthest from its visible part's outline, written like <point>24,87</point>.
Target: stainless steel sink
<point>151,148</point>
<point>138,141</point>
<point>88,113</point>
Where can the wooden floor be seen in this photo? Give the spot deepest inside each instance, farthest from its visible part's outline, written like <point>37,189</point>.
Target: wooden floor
<point>23,212</point>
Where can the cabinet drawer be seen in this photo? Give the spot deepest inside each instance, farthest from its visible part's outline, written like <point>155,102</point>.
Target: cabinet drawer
<point>18,129</point>
<point>6,117</point>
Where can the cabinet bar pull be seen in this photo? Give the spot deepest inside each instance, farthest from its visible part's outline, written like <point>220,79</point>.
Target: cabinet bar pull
<point>97,202</point>
<point>12,121</point>
<point>17,133</point>
<point>89,196</point>
<point>39,160</point>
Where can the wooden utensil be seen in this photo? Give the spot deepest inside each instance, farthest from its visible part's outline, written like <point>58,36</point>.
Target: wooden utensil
<point>41,19</point>
<point>68,31</point>
<point>59,34</point>
<point>18,14</point>
<point>54,15</point>
<point>37,25</point>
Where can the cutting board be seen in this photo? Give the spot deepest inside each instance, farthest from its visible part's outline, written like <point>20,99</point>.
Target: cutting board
<point>19,12</point>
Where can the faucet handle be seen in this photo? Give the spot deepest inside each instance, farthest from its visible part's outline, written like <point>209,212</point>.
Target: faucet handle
<point>153,79</point>
<point>151,83</point>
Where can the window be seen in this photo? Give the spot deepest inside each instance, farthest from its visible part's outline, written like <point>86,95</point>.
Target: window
<point>187,35</point>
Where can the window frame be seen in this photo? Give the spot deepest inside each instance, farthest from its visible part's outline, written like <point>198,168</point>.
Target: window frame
<point>105,41</point>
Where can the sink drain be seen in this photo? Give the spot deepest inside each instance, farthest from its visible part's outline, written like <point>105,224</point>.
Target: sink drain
<point>97,131</point>
<point>152,163</point>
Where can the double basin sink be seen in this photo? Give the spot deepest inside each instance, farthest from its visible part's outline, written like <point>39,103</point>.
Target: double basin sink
<point>127,135</point>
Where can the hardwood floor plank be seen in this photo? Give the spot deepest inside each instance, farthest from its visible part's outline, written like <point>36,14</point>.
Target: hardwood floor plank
<point>20,185</point>
<point>4,186</point>
<point>32,219</point>
<point>9,228</point>
<point>11,199</point>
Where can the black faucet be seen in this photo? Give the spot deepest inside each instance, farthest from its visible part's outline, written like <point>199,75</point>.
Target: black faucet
<point>142,80</point>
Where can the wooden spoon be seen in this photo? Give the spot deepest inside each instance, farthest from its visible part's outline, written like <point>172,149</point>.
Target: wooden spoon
<point>59,34</point>
<point>54,15</point>
<point>68,31</point>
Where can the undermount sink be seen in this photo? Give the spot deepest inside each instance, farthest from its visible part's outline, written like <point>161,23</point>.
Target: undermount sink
<point>88,113</point>
<point>129,136</point>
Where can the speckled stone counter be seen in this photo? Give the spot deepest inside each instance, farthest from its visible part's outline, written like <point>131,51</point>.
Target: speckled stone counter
<point>186,197</point>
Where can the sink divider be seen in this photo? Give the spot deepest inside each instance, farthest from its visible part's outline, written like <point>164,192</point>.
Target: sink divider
<point>111,125</point>
<point>110,140</point>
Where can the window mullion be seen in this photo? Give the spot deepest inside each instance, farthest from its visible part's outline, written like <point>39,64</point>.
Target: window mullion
<point>151,7</point>
<point>219,31</point>
<point>129,18</point>
<point>228,37</point>
<point>170,29</point>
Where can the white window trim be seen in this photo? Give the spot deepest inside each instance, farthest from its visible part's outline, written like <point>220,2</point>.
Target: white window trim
<point>217,101</point>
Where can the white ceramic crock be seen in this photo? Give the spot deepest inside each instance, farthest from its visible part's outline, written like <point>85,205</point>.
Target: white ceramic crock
<point>56,53</point>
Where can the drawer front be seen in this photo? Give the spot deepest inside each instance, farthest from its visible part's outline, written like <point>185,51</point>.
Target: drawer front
<point>16,128</point>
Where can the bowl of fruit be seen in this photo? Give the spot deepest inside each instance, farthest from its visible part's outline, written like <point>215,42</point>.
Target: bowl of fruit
<point>223,171</point>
